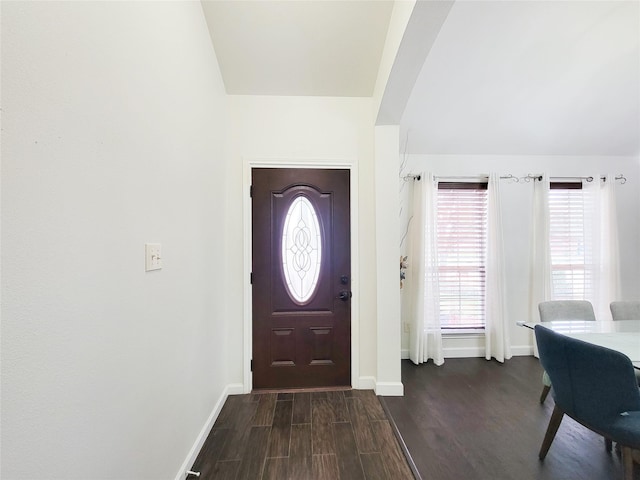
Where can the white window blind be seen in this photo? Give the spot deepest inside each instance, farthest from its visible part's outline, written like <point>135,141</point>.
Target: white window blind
<point>461,235</point>
<point>571,252</point>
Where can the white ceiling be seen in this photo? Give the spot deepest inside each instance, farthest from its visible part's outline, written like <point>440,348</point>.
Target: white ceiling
<point>309,47</point>
<point>536,78</point>
<point>512,77</point>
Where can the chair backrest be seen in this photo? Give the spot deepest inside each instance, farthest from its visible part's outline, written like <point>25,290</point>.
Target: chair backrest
<point>591,383</point>
<point>566,310</point>
<point>628,310</point>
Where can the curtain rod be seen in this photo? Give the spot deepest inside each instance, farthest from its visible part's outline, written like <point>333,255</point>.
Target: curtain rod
<point>411,176</point>
<point>509,176</point>
<point>474,177</point>
<point>538,177</point>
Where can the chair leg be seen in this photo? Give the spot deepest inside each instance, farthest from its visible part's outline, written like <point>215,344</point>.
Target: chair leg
<point>554,424</point>
<point>545,392</point>
<point>627,463</point>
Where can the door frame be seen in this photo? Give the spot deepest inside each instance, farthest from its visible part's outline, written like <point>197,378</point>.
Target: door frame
<point>315,163</point>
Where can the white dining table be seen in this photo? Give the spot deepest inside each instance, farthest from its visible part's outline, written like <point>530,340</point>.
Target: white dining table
<point>620,335</point>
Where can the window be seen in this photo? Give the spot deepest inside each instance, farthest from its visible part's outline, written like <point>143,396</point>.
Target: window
<point>571,252</point>
<point>301,249</point>
<point>462,245</point>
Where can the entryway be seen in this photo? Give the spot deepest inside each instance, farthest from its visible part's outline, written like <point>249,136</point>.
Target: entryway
<point>301,278</point>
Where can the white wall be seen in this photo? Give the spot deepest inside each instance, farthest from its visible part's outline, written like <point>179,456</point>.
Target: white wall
<point>316,131</point>
<point>113,135</point>
<point>385,107</point>
<point>387,261</point>
<point>517,218</point>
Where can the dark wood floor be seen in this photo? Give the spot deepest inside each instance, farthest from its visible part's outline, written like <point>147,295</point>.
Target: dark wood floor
<point>478,419</point>
<point>315,435</point>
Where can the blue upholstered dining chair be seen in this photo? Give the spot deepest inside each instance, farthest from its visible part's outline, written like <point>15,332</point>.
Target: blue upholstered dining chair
<point>562,310</point>
<point>596,387</point>
<point>626,310</point>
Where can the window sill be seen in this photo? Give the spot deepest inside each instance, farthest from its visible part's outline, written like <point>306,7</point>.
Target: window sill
<point>463,332</point>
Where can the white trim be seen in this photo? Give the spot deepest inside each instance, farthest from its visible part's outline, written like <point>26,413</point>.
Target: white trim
<point>317,163</point>
<point>463,333</point>
<point>516,351</point>
<point>247,377</point>
<point>232,389</point>
<point>522,351</point>
<point>390,389</point>
<point>464,352</point>
<point>479,352</point>
<point>366,383</point>
<point>235,389</point>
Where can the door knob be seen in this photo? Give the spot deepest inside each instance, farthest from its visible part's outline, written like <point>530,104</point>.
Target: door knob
<point>345,295</point>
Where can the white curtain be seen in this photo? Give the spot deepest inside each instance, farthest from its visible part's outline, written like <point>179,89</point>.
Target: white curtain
<point>601,232</point>
<point>610,243</point>
<point>426,335</point>
<point>540,268</point>
<point>600,246</point>
<point>497,341</point>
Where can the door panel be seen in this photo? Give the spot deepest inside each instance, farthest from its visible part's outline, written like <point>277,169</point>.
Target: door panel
<point>301,328</point>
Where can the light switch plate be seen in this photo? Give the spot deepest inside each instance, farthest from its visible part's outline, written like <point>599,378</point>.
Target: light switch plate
<point>153,256</point>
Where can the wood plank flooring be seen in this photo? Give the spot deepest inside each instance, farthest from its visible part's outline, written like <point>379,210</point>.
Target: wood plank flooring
<point>478,419</point>
<point>328,435</point>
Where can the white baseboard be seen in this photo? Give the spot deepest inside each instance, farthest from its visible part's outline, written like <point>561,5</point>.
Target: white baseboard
<point>366,383</point>
<point>390,389</point>
<point>466,352</point>
<point>516,351</point>
<point>522,351</point>
<point>232,389</point>
<point>235,389</point>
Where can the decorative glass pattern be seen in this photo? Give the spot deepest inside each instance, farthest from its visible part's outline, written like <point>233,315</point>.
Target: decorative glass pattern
<point>301,249</point>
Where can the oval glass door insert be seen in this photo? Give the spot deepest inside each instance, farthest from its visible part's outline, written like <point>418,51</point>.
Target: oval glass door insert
<point>301,249</point>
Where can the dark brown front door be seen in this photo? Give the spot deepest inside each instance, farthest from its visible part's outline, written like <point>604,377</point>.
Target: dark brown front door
<point>301,278</point>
